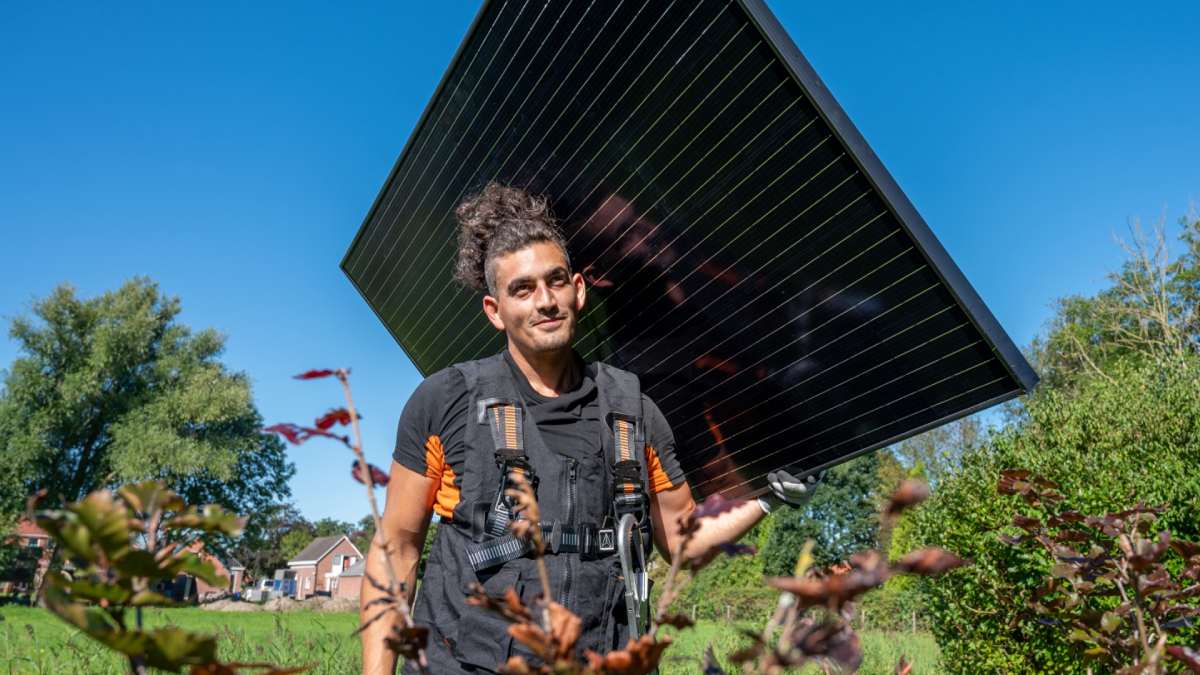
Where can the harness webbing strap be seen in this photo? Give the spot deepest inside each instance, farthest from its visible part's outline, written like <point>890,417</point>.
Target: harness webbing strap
<point>624,432</point>
<point>505,421</point>
<point>586,540</point>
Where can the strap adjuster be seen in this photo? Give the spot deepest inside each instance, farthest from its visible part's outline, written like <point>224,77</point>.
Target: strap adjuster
<point>606,540</point>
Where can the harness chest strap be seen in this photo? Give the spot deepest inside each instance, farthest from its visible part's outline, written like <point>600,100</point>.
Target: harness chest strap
<point>589,541</point>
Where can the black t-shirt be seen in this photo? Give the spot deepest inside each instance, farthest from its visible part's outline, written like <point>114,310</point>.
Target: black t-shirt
<point>431,437</point>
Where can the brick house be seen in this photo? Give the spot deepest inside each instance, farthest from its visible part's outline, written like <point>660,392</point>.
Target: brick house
<point>32,561</point>
<point>349,583</point>
<point>316,568</point>
<point>187,588</point>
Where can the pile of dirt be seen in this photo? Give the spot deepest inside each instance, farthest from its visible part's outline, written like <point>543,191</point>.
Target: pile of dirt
<point>335,604</point>
<point>282,605</point>
<point>315,604</point>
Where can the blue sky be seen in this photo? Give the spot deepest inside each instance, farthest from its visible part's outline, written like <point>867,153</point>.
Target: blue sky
<point>230,152</point>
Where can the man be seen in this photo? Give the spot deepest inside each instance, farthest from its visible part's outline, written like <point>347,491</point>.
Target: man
<point>583,434</point>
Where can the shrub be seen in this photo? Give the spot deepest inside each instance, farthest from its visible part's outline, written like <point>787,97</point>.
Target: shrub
<point>1110,583</point>
<point>1131,434</point>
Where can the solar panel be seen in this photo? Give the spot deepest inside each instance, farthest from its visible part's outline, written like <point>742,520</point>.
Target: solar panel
<point>747,254</point>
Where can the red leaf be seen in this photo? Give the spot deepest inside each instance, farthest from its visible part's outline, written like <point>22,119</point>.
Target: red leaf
<point>293,433</point>
<point>929,561</point>
<point>297,434</point>
<point>639,657</point>
<point>1188,657</point>
<point>834,640</point>
<point>338,416</point>
<point>677,620</point>
<point>833,591</point>
<point>910,493</point>
<point>1013,481</point>
<point>314,374</point>
<point>1026,523</point>
<point>378,475</point>
<point>408,642</point>
<point>1184,548</point>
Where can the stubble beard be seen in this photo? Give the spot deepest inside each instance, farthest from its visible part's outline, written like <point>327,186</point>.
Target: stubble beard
<point>556,341</point>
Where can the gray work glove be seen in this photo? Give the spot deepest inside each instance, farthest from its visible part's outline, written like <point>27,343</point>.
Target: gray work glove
<point>788,489</point>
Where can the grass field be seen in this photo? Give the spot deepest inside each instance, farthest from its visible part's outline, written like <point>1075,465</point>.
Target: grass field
<point>34,641</point>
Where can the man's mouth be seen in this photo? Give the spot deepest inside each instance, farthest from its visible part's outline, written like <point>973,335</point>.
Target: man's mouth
<point>550,323</point>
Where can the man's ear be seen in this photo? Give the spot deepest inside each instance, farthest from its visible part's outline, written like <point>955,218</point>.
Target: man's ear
<point>491,309</point>
<point>580,291</point>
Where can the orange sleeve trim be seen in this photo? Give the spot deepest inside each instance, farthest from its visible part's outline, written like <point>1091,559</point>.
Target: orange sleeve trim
<point>658,477</point>
<point>447,495</point>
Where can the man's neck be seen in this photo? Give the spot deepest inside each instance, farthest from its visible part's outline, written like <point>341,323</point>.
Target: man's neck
<point>549,373</point>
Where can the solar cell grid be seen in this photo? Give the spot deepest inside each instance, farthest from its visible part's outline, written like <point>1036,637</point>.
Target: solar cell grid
<point>747,255</point>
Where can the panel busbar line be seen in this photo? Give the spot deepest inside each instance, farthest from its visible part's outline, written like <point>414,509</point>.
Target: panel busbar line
<point>747,254</point>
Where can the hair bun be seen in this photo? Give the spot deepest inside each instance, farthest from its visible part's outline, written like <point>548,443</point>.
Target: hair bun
<point>499,219</point>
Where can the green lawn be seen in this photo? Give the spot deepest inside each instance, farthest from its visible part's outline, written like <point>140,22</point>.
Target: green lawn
<point>33,641</point>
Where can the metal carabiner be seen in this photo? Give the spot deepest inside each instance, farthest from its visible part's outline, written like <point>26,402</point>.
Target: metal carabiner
<point>637,583</point>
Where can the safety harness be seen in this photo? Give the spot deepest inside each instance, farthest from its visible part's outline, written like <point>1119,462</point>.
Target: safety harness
<point>624,529</point>
<point>505,419</point>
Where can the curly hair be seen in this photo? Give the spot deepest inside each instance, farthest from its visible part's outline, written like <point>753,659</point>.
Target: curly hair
<point>500,219</point>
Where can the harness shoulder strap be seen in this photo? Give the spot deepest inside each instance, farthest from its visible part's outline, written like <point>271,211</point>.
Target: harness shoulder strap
<point>625,442</point>
<point>505,420</point>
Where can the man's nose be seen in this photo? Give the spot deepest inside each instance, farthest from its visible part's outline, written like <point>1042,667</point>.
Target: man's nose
<point>544,298</point>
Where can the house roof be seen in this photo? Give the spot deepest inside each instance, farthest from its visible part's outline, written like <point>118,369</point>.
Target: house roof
<point>28,528</point>
<point>319,548</point>
<point>356,570</point>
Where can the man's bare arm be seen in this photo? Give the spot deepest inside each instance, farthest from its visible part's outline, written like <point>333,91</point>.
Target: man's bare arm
<point>405,520</point>
<point>669,507</point>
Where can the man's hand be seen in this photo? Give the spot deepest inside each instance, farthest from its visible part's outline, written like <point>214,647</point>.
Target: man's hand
<point>788,489</point>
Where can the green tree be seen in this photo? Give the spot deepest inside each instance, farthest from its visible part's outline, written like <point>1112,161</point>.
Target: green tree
<point>936,453</point>
<point>260,547</point>
<point>1150,310</point>
<point>293,542</point>
<point>364,532</point>
<point>327,527</point>
<point>113,389</point>
<point>842,517</point>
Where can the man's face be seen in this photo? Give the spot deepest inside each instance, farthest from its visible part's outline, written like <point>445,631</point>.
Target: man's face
<point>537,298</point>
